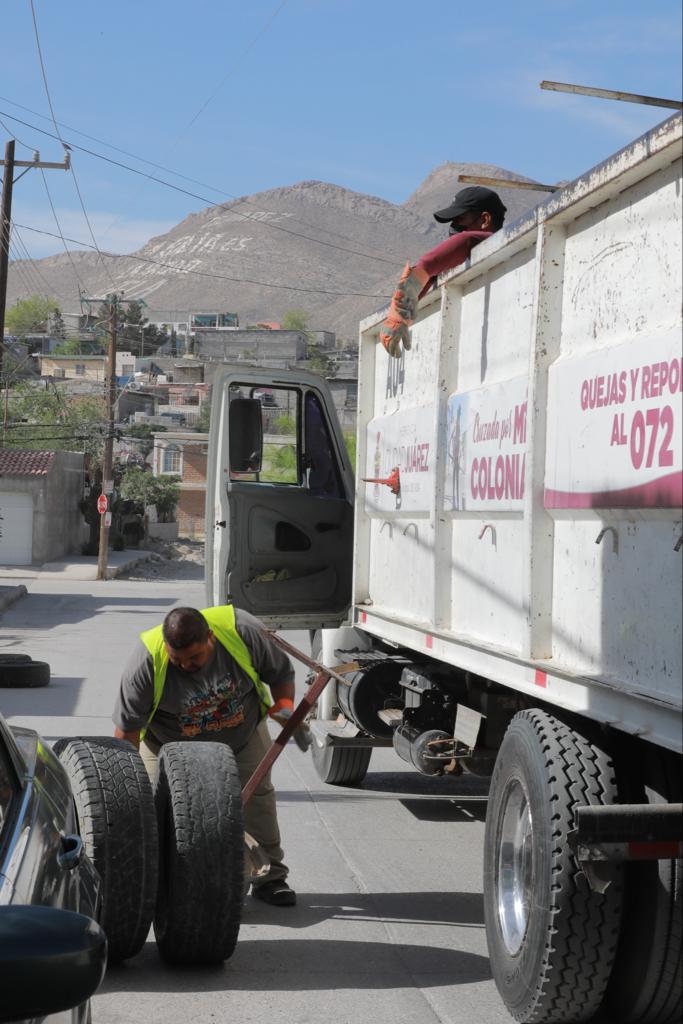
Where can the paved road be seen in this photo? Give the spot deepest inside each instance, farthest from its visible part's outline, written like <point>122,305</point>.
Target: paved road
<point>389,924</point>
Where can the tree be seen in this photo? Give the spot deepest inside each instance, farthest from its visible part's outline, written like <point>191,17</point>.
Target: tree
<point>296,320</point>
<point>72,347</point>
<point>57,325</point>
<point>27,316</point>
<point>144,432</point>
<point>45,420</point>
<point>204,419</point>
<point>319,361</point>
<point>138,485</point>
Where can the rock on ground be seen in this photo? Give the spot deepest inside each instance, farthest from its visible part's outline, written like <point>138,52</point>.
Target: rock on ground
<point>180,560</point>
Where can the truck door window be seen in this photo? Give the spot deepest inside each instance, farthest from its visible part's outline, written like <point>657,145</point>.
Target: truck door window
<point>322,471</point>
<point>280,416</point>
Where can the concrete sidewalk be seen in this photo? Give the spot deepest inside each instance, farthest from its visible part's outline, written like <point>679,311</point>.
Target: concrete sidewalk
<point>15,580</point>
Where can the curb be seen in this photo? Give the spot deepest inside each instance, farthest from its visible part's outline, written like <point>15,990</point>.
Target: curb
<point>118,570</point>
<point>15,594</point>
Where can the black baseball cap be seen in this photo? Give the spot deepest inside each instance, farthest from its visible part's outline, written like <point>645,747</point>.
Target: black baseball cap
<point>474,199</point>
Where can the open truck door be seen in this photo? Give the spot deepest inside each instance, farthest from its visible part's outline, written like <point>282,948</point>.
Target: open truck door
<point>279,504</point>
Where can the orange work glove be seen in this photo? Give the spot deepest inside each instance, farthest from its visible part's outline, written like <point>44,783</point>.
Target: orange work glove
<point>281,712</point>
<point>395,329</point>
<point>411,283</point>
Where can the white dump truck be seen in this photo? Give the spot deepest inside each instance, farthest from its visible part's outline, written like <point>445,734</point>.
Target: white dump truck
<point>503,592</point>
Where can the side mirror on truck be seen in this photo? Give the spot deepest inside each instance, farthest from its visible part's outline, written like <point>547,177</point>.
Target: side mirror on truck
<point>246,435</point>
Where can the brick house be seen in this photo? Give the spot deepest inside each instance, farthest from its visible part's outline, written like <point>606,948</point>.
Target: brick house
<point>184,454</point>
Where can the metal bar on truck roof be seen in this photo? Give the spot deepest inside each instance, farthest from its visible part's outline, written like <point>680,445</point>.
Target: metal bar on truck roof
<point>612,94</point>
<point>478,179</point>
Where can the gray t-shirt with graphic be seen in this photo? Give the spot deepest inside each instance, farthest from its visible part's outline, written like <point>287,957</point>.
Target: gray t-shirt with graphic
<point>219,702</point>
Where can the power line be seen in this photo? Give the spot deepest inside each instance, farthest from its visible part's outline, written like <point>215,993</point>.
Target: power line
<point>49,293</point>
<point>54,121</point>
<point>206,273</point>
<point>242,200</point>
<point>194,195</point>
<point>61,233</point>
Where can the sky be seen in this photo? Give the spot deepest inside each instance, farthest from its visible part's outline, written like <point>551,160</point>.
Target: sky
<point>370,95</point>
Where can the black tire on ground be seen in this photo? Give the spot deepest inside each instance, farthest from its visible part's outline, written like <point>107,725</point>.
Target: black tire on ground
<point>115,808</point>
<point>23,673</point>
<point>647,979</point>
<point>551,939</point>
<point>15,659</point>
<point>341,766</point>
<point>201,870</point>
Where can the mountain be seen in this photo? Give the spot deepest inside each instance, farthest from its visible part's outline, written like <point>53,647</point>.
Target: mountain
<point>315,246</point>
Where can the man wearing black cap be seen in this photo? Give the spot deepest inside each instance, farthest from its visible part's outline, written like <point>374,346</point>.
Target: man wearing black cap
<point>474,214</point>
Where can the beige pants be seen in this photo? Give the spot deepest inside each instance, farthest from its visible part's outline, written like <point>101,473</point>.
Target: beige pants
<point>260,814</point>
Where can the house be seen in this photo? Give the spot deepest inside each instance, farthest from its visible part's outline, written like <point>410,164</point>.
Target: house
<point>40,492</point>
<point>178,452</point>
<point>253,346</point>
<point>91,368</point>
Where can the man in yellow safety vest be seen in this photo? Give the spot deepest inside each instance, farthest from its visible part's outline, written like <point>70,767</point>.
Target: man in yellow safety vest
<point>209,675</point>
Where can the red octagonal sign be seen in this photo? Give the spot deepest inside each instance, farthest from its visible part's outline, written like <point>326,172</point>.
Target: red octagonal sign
<point>102,504</point>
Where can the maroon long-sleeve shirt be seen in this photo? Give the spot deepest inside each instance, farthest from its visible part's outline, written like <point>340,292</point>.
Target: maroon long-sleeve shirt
<point>451,253</point>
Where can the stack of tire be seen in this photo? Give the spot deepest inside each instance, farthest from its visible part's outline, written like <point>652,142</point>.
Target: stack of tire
<point>172,855</point>
<point>20,670</point>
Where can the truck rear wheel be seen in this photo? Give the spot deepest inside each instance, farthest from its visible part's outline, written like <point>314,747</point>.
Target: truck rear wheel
<point>341,766</point>
<point>551,939</point>
<point>115,810</point>
<point>199,811</point>
<point>646,986</point>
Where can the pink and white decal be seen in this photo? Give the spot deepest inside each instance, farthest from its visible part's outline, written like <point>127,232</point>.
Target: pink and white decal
<point>486,454</point>
<point>614,427</point>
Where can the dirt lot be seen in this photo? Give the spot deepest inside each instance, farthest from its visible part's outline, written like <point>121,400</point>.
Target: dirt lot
<point>181,560</point>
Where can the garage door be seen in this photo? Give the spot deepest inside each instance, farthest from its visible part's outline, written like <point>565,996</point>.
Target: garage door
<point>16,528</point>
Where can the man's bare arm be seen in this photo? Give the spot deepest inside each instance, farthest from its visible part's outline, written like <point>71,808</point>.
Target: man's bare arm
<point>132,737</point>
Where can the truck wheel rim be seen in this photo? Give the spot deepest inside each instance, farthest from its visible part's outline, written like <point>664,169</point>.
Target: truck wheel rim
<point>515,860</point>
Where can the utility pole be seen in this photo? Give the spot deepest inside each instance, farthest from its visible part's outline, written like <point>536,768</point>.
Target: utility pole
<point>8,180</point>
<point>5,228</point>
<point>108,455</point>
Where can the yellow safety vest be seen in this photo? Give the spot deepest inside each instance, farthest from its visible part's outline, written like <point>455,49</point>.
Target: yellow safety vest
<point>221,621</point>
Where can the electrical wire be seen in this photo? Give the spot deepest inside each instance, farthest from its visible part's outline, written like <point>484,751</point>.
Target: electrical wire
<point>54,121</point>
<point>194,195</point>
<point>21,245</point>
<point>242,200</point>
<point>205,273</point>
<point>61,233</point>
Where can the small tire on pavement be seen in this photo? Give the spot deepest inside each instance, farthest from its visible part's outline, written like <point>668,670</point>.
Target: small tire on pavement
<point>551,939</point>
<point>646,986</point>
<point>340,766</point>
<point>115,809</point>
<point>201,869</point>
<point>23,673</point>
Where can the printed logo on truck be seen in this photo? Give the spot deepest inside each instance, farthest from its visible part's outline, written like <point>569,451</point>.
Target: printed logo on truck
<point>486,447</point>
<point>614,427</point>
<point>403,442</point>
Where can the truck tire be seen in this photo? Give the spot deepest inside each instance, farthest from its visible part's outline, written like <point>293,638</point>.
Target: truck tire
<point>551,939</point>
<point>115,810</point>
<point>23,673</point>
<point>646,986</point>
<point>341,766</point>
<point>198,799</point>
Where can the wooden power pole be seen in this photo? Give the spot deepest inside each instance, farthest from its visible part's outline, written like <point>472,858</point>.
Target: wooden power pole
<point>5,228</point>
<point>8,180</point>
<point>108,455</point>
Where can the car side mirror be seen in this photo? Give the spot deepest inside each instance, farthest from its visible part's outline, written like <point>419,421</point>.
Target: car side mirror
<point>50,960</point>
<point>245,430</point>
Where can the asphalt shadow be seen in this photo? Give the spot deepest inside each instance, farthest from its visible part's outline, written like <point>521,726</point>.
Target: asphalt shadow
<point>459,909</point>
<point>300,965</point>
<point>60,697</point>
